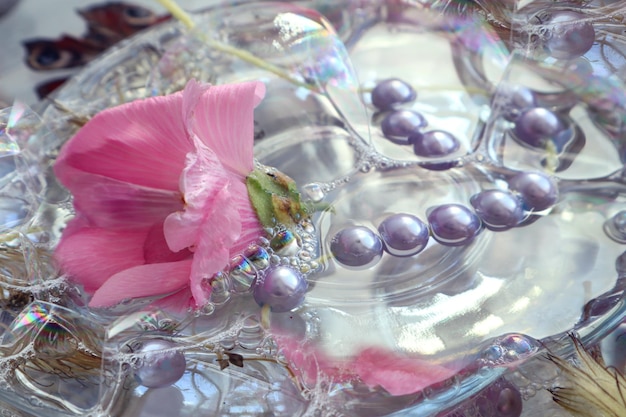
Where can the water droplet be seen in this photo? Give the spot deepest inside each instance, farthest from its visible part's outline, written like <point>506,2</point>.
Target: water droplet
<point>493,353</point>
<point>285,243</point>
<point>242,274</point>
<point>251,334</point>
<point>258,256</point>
<point>313,192</point>
<point>207,309</point>
<point>220,288</point>
<point>517,346</point>
<point>227,343</point>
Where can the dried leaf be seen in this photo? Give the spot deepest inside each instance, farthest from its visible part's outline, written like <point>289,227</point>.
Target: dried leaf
<point>592,389</point>
<point>235,359</point>
<point>223,363</point>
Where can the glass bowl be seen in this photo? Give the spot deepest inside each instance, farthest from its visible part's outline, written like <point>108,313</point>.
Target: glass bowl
<point>450,321</point>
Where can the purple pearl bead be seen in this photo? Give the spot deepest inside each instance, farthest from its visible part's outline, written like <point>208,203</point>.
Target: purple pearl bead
<point>434,143</point>
<point>356,247</point>
<point>537,190</point>
<point>499,210</point>
<point>282,288</point>
<point>160,369</point>
<point>568,39</point>
<point>390,92</point>
<point>537,125</point>
<point>509,402</point>
<point>398,125</point>
<point>615,227</point>
<point>403,234</point>
<point>453,224</point>
<point>514,100</point>
<point>501,399</point>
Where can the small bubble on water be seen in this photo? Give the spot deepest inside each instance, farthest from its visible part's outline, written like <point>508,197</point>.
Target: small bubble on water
<point>313,192</point>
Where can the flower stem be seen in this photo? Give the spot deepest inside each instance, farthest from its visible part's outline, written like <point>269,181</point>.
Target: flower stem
<point>182,16</point>
<point>178,13</point>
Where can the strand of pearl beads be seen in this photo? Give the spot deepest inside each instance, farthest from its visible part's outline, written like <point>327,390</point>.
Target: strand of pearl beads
<point>404,234</point>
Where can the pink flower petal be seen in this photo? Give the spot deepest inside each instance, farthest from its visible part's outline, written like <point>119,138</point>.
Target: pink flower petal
<point>223,119</point>
<point>218,232</point>
<point>155,248</point>
<point>192,94</point>
<point>179,302</point>
<point>143,142</point>
<point>90,256</point>
<point>251,229</point>
<point>142,281</point>
<point>397,374</point>
<point>106,202</point>
<point>200,182</point>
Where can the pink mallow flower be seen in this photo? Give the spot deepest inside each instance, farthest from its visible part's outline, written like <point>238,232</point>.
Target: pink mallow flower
<point>160,195</point>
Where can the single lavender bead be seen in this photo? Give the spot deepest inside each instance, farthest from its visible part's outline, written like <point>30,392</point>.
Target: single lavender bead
<point>453,224</point>
<point>403,234</point>
<point>568,39</point>
<point>536,126</point>
<point>282,288</point>
<point>499,210</point>
<point>390,92</point>
<point>537,190</point>
<point>514,100</point>
<point>356,247</point>
<point>615,227</point>
<point>398,125</point>
<point>157,368</point>
<point>619,221</point>
<point>501,399</point>
<point>434,143</point>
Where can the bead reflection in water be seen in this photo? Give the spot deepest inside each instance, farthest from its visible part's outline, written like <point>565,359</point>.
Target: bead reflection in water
<point>160,364</point>
<point>500,399</point>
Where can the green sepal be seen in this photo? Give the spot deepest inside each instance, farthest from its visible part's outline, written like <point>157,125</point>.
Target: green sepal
<point>275,198</point>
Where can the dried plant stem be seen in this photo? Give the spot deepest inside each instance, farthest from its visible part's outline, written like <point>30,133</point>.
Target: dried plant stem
<point>182,16</point>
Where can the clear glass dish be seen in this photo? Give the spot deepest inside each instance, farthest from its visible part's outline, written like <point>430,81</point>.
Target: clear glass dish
<point>463,315</point>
